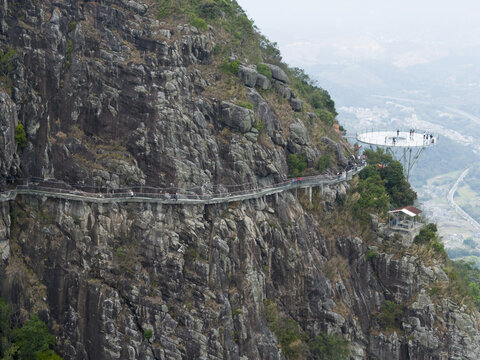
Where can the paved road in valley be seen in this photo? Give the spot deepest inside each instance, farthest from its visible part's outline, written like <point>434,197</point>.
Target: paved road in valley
<point>458,209</point>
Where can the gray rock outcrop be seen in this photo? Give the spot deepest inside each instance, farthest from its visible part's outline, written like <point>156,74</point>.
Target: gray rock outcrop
<point>237,117</point>
<point>264,112</point>
<point>9,160</point>
<point>296,104</point>
<point>263,82</point>
<point>248,75</point>
<point>278,73</point>
<point>342,160</point>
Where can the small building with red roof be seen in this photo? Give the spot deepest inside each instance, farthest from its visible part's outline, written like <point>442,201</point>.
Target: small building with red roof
<point>404,218</point>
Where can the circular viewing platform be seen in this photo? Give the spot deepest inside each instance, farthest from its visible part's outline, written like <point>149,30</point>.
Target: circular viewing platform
<point>405,139</point>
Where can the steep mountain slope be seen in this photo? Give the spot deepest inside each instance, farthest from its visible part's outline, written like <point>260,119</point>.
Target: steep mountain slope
<point>126,94</point>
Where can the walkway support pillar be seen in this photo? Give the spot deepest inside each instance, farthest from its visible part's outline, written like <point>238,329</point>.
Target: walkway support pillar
<point>276,198</point>
<point>310,195</point>
<point>322,189</point>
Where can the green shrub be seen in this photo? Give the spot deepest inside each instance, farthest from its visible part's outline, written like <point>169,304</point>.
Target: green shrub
<point>323,162</point>
<point>465,279</point>
<point>245,104</point>
<point>390,316</point>
<point>317,97</point>
<point>167,8</point>
<point>69,53</point>
<point>264,70</point>
<point>230,67</point>
<point>120,252</point>
<point>20,136</point>
<point>368,171</point>
<point>219,49</point>
<point>34,341</point>
<point>199,23</point>
<point>297,344</point>
<point>438,247</point>
<point>6,61</point>
<point>373,197</point>
<point>71,26</point>
<point>329,347</point>
<point>258,125</point>
<point>5,328</point>
<point>297,164</point>
<point>289,334</point>
<point>325,116</point>
<point>427,234</point>
<point>371,254</point>
<point>270,50</point>
<point>147,334</point>
<point>391,171</point>
<point>434,291</point>
<point>378,157</point>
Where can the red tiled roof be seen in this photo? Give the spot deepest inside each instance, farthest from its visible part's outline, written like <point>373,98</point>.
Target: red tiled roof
<point>409,209</point>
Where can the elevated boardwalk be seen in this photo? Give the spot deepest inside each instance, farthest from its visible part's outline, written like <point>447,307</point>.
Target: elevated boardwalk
<point>127,196</point>
<point>401,139</point>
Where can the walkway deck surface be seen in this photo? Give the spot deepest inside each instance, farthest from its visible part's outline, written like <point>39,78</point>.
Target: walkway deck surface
<point>394,139</point>
<point>182,199</point>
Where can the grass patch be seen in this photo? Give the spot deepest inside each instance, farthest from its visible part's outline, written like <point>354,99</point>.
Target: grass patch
<point>289,334</point>
<point>258,125</point>
<point>323,162</point>
<point>245,104</point>
<point>325,346</point>
<point>71,26</point>
<point>199,23</point>
<point>230,67</point>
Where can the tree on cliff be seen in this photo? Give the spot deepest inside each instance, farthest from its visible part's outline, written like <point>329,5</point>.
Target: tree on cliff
<point>30,342</point>
<point>391,172</point>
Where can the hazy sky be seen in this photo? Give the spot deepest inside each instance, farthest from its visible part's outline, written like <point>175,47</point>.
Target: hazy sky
<point>365,28</point>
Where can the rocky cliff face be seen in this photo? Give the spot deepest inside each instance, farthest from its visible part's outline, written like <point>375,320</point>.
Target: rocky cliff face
<point>110,96</point>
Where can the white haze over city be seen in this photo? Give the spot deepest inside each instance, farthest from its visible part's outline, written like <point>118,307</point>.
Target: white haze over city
<point>408,32</point>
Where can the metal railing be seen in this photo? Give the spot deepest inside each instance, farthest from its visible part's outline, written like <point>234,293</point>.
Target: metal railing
<point>198,194</point>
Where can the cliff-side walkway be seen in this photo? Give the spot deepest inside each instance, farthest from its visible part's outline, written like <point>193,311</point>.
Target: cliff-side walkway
<point>128,196</point>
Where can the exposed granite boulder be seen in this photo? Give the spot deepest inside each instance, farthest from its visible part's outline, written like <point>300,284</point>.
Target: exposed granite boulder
<point>263,82</point>
<point>264,112</point>
<point>299,133</point>
<point>8,121</point>
<point>5,223</point>
<point>296,104</point>
<point>283,90</point>
<point>278,73</point>
<point>248,75</point>
<point>237,117</point>
<point>341,159</point>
